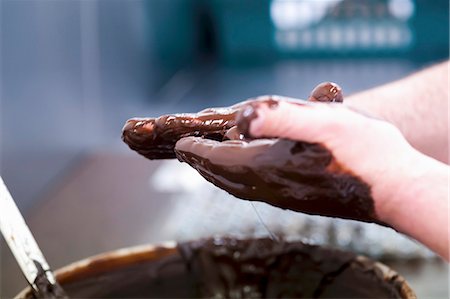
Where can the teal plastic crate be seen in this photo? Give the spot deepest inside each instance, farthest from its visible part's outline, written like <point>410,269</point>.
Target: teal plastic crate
<point>173,32</point>
<point>263,30</point>
<point>244,30</point>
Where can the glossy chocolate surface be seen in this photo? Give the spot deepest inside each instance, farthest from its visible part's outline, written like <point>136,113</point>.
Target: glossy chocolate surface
<point>236,268</point>
<point>155,138</point>
<point>263,268</point>
<point>288,174</point>
<point>291,175</point>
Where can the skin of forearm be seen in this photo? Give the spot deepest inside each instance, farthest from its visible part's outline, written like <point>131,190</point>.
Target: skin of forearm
<point>419,205</point>
<point>417,105</point>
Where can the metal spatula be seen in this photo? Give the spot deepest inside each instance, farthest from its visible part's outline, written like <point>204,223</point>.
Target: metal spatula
<point>25,249</point>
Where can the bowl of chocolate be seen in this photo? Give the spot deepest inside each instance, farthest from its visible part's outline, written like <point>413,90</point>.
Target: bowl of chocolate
<point>227,267</point>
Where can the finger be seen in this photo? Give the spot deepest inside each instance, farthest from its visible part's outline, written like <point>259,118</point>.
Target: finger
<point>226,164</point>
<point>155,138</point>
<point>227,153</point>
<point>139,135</point>
<point>310,122</point>
<point>327,92</point>
<point>233,134</point>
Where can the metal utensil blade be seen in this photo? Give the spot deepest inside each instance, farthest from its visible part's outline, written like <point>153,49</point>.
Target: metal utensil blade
<point>20,240</point>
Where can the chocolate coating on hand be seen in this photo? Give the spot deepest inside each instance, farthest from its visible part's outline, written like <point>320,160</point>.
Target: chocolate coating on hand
<point>155,138</point>
<point>327,92</point>
<point>248,113</point>
<point>292,175</point>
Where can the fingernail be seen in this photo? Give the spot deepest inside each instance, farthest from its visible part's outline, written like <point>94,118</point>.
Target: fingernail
<point>327,92</point>
<point>129,125</point>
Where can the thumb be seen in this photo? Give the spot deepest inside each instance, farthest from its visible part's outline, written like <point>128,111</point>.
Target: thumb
<point>283,118</point>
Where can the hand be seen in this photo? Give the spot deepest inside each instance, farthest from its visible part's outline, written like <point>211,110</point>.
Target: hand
<point>155,138</point>
<point>289,174</point>
<point>325,159</point>
<point>342,162</point>
<point>347,165</point>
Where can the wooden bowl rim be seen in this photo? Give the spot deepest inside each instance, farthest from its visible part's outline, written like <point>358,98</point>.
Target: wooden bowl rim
<point>114,259</point>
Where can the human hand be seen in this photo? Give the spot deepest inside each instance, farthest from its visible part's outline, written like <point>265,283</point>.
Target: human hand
<point>343,162</point>
<point>289,174</point>
<point>155,138</point>
<point>346,165</point>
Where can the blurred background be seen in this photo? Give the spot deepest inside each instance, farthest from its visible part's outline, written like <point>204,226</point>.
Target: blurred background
<point>73,71</point>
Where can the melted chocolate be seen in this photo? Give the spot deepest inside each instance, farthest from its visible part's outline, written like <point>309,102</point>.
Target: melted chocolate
<point>288,174</point>
<point>46,289</point>
<point>235,268</point>
<point>263,268</point>
<point>248,113</point>
<point>155,138</point>
<point>291,175</point>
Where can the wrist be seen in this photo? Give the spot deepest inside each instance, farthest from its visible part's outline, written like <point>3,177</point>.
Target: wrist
<point>368,103</point>
<point>418,204</point>
<point>402,186</point>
